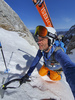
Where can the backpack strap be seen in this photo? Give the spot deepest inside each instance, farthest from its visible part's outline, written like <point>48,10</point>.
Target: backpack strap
<point>57,48</point>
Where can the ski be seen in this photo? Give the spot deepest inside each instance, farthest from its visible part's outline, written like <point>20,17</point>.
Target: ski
<point>43,11</point>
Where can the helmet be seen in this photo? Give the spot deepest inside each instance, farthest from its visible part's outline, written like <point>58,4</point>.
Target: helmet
<point>52,31</point>
<point>49,32</point>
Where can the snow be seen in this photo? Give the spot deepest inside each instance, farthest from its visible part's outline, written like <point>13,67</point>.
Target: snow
<point>19,55</point>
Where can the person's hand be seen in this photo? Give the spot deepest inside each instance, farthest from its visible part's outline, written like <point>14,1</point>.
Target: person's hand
<point>24,79</point>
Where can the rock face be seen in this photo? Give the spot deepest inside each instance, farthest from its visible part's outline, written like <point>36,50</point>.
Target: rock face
<point>71,35</point>
<point>69,39</point>
<point>9,20</point>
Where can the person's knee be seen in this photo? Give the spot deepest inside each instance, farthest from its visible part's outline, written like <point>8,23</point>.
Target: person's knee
<point>43,71</point>
<point>55,76</point>
<point>56,79</point>
<point>40,73</point>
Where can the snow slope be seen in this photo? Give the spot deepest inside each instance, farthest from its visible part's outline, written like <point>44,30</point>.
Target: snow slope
<point>19,55</point>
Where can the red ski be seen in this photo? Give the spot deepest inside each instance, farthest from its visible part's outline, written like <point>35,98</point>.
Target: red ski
<point>43,11</point>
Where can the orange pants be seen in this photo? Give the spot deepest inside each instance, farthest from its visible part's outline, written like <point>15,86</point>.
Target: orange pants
<point>55,76</point>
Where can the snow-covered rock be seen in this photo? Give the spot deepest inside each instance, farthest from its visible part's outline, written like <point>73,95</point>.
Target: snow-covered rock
<point>9,20</point>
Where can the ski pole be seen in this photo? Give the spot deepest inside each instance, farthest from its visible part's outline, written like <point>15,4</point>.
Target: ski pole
<point>3,57</point>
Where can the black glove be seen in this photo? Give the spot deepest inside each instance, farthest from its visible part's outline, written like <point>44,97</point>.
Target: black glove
<point>24,79</point>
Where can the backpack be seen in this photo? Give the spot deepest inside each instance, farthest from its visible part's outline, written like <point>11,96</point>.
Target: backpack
<point>56,46</point>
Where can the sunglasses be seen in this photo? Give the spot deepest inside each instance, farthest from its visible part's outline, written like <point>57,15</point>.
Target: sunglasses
<point>43,32</point>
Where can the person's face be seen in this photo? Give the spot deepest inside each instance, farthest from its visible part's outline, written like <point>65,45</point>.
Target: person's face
<point>43,43</point>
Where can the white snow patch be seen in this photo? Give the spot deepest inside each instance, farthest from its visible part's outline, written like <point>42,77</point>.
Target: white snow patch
<point>19,55</point>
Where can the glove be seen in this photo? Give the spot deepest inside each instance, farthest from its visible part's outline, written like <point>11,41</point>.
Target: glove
<point>24,79</point>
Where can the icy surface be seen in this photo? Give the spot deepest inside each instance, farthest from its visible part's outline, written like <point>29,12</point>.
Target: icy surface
<point>19,55</point>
